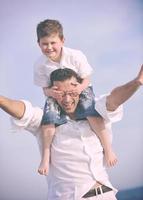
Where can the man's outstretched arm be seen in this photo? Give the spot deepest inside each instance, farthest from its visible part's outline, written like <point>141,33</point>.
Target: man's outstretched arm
<point>12,107</point>
<point>122,93</point>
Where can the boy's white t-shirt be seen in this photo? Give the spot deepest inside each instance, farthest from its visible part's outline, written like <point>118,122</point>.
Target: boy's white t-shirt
<point>71,58</point>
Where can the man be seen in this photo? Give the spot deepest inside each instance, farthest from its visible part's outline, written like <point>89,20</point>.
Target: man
<point>76,170</point>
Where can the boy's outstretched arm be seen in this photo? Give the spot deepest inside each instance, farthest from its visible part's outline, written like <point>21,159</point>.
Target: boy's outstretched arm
<point>12,107</point>
<point>122,93</point>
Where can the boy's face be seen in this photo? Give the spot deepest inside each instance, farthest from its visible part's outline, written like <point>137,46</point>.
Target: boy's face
<point>51,46</point>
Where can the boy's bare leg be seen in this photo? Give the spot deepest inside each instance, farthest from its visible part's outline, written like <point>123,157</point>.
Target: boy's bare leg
<point>98,126</point>
<point>48,132</point>
<point>121,94</point>
<point>12,107</point>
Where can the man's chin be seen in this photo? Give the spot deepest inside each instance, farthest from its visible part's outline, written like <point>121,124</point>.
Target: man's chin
<point>69,110</point>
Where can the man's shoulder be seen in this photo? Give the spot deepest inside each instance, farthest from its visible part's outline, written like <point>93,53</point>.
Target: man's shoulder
<point>101,97</point>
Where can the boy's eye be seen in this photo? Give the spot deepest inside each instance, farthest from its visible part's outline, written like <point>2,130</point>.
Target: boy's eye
<point>45,44</point>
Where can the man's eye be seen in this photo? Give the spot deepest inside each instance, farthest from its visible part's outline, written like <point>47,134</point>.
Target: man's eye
<point>74,94</point>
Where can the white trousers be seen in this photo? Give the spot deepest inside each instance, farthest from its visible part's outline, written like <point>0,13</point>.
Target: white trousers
<point>104,196</point>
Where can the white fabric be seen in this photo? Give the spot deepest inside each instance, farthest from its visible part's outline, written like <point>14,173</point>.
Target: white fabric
<point>76,153</point>
<point>71,58</point>
<point>113,116</point>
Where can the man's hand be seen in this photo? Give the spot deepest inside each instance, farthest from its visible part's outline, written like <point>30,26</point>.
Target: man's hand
<point>140,76</point>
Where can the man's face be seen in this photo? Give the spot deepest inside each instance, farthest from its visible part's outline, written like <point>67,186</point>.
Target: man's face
<point>69,99</point>
<point>52,47</point>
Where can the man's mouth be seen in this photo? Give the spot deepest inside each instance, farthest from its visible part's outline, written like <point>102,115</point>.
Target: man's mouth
<point>68,106</point>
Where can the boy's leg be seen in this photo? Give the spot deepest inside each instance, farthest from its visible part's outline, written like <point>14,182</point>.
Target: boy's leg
<point>48,132</point>
<point>98,126</point>
<point>86,109</point>
<point>52,116</point>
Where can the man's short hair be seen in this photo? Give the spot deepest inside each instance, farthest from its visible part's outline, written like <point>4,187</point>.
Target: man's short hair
<point>63,75</point>
<point>49,27</point>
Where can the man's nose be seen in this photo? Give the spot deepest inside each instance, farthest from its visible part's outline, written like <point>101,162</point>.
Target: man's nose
<point>67,97</point>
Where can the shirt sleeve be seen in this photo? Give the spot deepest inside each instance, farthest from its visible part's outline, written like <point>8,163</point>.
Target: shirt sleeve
<point>109,116</point>
<point>30,121</point>
<point>40,75</point>
<point>84,69</point>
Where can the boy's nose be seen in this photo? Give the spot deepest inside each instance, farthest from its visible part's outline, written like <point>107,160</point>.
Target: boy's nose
<point>49,46</point>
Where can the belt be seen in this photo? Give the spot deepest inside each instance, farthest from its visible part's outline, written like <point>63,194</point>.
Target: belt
<point>96,191</point>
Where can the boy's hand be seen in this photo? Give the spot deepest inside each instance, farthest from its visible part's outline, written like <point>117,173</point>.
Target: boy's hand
<point>78,88</point>
<point>52,92</point>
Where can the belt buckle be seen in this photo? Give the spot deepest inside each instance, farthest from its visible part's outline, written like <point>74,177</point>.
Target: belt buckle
<point>97,191</point>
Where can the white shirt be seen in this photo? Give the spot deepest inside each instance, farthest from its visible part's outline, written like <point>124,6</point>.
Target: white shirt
<point>76,152</point>
<point>71,58</point>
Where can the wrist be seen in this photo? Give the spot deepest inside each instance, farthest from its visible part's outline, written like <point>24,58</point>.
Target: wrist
<point>1,100</point>
<point>138,82</point>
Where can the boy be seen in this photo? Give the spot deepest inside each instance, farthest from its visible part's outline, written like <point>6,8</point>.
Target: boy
<point>55,55</point>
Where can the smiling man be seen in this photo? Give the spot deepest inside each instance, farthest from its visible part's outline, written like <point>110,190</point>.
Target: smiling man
<point>66,80</point>
<point>76,169</point>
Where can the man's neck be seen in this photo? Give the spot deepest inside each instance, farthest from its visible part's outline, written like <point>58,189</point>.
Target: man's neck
<point>71,116</point>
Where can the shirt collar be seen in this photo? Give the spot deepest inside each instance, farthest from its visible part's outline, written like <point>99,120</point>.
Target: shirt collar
<point>62,61</point>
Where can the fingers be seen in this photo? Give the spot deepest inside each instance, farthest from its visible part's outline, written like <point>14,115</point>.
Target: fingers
<point>75,84</point>
<point>54,87</point>
<point>58,95</point>
<point>140,76</point>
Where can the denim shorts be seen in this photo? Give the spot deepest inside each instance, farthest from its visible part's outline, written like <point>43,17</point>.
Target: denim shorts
<point>53,113</point>
<point>86,105</point>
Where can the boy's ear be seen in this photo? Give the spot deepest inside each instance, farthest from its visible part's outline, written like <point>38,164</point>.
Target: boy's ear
<point>38,43</point>
<point>63,39</point>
